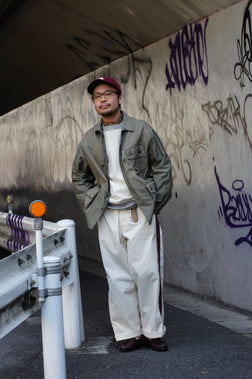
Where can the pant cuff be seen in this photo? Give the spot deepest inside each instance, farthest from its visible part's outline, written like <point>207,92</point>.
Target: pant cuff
<point>126,336</point>
<point>152,334</point>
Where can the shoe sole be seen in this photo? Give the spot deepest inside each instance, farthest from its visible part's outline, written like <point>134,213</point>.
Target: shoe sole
<point>148,346</point>
<point>131,349</point>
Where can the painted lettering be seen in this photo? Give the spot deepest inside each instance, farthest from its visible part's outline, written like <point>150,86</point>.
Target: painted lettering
<point>236,207</point>
<point>188,57</point>
<point>244,49</point>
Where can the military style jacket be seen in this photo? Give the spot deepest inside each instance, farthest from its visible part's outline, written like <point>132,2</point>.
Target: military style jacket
<point>144,162</point>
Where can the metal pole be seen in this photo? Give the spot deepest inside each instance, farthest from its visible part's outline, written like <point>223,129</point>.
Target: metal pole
<point>38,226</point>
<point>10,202</point>
<point>72,304</point>
<point>37,209</point>
<point>52,322</point>
<point>50,296</point>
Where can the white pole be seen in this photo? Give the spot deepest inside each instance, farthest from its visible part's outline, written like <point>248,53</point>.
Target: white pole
<point>72,304</point>
<point>38,223</point>
<point>52,322</point>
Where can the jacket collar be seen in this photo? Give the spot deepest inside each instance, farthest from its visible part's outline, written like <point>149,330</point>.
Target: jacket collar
<point>127,124</point>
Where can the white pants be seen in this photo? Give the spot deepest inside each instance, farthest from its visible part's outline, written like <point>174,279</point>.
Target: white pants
<point>133,262</point>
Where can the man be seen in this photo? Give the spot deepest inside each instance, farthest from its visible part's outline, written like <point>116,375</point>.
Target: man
<point>122,179</point>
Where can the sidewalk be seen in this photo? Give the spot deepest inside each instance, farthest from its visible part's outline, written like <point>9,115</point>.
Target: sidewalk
<point>198,348</point>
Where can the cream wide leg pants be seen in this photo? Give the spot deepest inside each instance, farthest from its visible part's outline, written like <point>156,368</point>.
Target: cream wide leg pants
<point>133,262</point>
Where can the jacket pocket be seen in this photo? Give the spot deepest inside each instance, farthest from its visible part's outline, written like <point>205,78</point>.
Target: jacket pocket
<point>90,196</point>
<point>135,152</point>
<point>151,188</point>
<point>137,158</point>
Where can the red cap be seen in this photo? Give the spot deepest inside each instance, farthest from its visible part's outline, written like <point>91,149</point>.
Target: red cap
<point>102,80</point>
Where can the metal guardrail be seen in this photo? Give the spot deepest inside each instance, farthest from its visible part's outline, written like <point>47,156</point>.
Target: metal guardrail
<point>18,294</point>
<point>17,232</point>
<point>42,275</point>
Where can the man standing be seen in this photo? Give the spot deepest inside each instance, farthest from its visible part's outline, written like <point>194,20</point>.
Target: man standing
<point>122,179</point>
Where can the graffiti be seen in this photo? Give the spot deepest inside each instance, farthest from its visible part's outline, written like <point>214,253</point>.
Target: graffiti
<point>135,66</point>
<point>197,141</point>
<point>230,117</point>
<point>115,44</point>
<point>179,162</point>
<point>67,136</point>
<point>175,143</point>
<point>109,44</point>
<point>236,207</point>
<point>41,157</point>
<point>183,133</point>
<point>42,152</point>
<point>19,237</point>
<point>244,49</point>
<point>188,57</point>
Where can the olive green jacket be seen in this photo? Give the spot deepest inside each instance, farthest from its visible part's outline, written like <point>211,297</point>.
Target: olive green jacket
<point>144,163</point>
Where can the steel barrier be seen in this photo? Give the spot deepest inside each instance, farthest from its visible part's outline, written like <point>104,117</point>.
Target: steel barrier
<point>17,232</point>
<point>42,275</point>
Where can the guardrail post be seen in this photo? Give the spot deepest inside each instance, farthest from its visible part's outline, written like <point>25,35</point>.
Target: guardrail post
<point>71,298</point>
<point>52,321</point>
<point>50,297</point>
<point>37,210</point>
<point>10,202</point>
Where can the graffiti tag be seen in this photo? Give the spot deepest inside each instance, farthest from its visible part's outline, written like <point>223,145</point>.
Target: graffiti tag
<point>229,116</point>
<point>19,237</point>
<point>197,141</point>
<point>236,207</point>
<point>244,49</point>
<point>188,57</point>
<point>111,44</point>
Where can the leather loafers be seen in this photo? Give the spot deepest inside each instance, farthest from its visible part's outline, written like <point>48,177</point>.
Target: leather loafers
<point>131,344</point>
<point>155,344</point>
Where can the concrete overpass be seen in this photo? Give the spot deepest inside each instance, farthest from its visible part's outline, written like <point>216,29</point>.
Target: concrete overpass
<point>185,68</point>
<point>47,43</point>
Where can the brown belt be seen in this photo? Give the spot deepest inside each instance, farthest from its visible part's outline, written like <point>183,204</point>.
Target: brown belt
<point>134,215</point>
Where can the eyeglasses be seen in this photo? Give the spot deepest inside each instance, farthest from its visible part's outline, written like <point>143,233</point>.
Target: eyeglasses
<point>106,94</point>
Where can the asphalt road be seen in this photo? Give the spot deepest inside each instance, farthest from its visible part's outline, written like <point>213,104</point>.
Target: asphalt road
<point>198,348</point>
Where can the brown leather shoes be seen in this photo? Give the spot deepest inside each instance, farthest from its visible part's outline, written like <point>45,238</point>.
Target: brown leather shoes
<point>155,344</point>
<point>131,344</point>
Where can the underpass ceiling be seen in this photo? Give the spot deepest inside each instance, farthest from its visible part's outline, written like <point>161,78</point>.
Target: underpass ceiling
<point>47,43</point>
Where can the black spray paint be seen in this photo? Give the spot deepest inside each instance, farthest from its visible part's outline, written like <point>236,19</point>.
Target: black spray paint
<point>244,49</point>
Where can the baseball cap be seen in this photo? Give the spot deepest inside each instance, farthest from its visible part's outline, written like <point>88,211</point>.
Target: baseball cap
<point>102,80</point>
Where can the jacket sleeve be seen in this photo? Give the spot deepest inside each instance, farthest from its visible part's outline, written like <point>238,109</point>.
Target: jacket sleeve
<point>82,176</point>
<point>161,170</point>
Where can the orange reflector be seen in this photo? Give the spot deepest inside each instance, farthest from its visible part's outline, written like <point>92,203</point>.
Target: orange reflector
<point>37,208</point>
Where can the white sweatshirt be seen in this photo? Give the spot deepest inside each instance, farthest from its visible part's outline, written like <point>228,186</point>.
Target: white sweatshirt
<point>120,193</point>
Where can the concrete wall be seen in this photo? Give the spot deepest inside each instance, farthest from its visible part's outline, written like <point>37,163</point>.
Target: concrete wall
<point>194,88</point>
